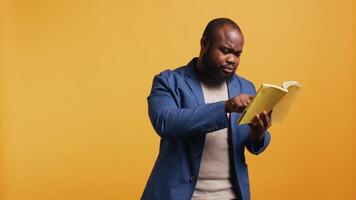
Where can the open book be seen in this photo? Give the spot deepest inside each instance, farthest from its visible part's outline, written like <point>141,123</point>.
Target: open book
<point>270,97</point>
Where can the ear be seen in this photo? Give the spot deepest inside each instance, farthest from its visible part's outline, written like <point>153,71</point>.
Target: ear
<point>204,44</point>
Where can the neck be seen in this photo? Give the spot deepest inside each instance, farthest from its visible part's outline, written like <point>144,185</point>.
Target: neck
<point>201,71</point>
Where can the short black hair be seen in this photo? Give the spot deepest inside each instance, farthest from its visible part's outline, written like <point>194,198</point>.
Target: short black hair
<point>215,24</point>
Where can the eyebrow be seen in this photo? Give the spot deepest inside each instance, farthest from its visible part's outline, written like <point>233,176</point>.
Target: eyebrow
<point>231,49</point>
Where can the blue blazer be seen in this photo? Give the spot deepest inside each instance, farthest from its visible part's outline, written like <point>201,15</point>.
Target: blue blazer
<point>181,118</point>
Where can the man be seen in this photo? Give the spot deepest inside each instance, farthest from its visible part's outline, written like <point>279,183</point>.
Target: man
<point>194,109</point>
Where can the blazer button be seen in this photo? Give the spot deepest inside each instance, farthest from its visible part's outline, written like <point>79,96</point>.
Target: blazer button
<point>193,179</point>
<point>197,156</point>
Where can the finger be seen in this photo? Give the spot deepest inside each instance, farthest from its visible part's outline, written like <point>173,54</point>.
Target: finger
<point>239,105</point>
<point>270,112</point>
<point>239,102</point>
<point>263,114</point>
<point>262,122</point>
<point>259,122</point>
<point>270,115</point>
<point>265,119</point>
<point>245,101</point>
<point>268,120</point>
<point>254,123</point>
<point>250,97</point>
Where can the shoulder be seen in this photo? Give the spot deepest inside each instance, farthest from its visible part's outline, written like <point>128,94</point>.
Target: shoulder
<point>170,78</point>
<point>244,81</point>
<point>171,74</point>
<point>246,84</point>
<point>177,74</point>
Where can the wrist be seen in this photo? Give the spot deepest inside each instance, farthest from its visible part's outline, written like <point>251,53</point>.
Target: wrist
<point>256,135</point>
<point>227,108</point>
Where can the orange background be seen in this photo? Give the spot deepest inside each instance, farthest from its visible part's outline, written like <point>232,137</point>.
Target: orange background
<point>75,76</point>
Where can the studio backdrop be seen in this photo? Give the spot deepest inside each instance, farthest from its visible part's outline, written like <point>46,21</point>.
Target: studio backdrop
<point>75,74</point>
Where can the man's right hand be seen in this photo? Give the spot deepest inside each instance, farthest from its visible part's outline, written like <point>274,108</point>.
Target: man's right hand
<point>238,103</point>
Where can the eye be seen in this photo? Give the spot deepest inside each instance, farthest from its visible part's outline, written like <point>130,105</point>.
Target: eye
<point>225,50</point>
<point>238,54</point>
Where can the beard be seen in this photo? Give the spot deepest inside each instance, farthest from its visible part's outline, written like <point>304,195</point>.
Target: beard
<point>212,72</point>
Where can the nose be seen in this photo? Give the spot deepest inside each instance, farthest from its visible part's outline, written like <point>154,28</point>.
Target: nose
<point>231,59</point>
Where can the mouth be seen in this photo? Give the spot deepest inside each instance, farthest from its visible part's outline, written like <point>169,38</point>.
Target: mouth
<point>228,69</point>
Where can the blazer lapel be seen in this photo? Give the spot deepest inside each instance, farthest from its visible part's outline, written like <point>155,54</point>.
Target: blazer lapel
<point>195,144</point>
<point>234,87</point>
<point>194,83</point>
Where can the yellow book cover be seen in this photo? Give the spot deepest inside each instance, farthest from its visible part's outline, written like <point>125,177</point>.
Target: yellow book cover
<point>271,97</point>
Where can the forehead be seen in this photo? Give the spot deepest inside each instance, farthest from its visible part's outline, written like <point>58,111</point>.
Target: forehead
<point>229,36</point>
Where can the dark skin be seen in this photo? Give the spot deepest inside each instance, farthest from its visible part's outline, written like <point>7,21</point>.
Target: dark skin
<point>218,60</point>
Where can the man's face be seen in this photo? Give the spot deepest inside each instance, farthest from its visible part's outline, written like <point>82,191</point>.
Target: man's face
<point>221,56</point>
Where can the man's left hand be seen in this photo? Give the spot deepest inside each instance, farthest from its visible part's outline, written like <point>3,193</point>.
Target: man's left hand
<point>259,126</point>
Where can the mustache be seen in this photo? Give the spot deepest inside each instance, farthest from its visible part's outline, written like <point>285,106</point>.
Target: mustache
<point>230,66</point>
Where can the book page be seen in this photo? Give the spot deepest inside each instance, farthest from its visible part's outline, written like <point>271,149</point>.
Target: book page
<point>282,108</point>
<point>288,84</point>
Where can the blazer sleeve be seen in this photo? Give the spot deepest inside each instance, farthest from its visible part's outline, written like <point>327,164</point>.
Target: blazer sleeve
<point>172,122</point>
<point>257,149</point>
